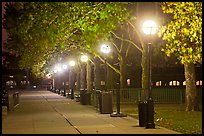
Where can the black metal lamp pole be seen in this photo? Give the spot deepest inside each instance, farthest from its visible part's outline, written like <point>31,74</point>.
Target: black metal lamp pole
<point>71,83</point>
<point>150,102</point>
<point>105,75</point>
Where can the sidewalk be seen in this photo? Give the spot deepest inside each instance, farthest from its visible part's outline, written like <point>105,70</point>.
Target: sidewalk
<point>44,112</point>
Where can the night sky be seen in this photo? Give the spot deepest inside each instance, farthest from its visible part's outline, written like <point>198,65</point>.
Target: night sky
<point>4,36</point>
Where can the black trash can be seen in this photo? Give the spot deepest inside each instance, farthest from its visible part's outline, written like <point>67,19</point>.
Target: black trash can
<point>85,97</point>
<point>105,102</point>
<point>142,110</point>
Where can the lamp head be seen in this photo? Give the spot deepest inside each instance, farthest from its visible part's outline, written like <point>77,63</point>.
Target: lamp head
<point>105,48</point>
<point>149,27</point>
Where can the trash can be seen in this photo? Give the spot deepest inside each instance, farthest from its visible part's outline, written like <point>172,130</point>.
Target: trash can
<point>105,102</point>
<point>142,110</point>
<point>85,97</point>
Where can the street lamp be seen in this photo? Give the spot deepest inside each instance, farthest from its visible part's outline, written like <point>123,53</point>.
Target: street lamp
<point>72,63</point>
<point>84,58</point>
<point>149,27</point>
<point>83,91</point>
<point>57,70</point>
<point>105,49</point>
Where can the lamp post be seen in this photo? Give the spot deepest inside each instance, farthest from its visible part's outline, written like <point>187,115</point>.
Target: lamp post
<point>105,49</point>
<point>64,67</point>
<point>71,80</point>
<point>58,70</point>
<point>83,92</point>
<point>149,27</point>
<point>84,58</point>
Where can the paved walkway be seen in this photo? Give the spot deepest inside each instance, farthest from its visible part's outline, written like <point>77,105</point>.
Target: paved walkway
<point>44,112</point>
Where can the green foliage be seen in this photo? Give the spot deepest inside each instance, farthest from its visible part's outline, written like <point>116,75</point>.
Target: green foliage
<point>183,33</point>
<point>37,28</point>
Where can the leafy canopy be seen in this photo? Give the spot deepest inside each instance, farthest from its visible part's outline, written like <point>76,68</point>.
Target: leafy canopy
<point>183,34</point>
<point>37,29</point>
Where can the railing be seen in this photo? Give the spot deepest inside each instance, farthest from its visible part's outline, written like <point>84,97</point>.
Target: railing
<point>159,95</point>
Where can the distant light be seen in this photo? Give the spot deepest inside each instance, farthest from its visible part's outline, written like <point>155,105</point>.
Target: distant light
<point>58,68</point>
<point>11,76</point>
<point>48,75</point>
<point>105,48</point>
<point>64,66</point>
<point>84,58</point>
<point>55,70</point>
<point>149,27</point>
<point>72,63</point>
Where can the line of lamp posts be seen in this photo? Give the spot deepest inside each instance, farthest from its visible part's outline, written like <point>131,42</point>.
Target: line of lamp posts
<point>145,108</point>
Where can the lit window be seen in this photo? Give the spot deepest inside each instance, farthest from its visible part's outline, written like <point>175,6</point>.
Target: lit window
<point>158,83</point>
<point>184,83</point>
<point>67,83</point>
<point>10,82</point>
<point>170,83</point>
<point>174,83</point>
<point>199,82</point>
<point>102,82</point>
<point>128,82</point>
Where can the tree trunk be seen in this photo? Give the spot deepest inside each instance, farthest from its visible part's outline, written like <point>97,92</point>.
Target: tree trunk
<point>97,79</point>
<point>110,81</point>
<point>83,77</point>
<point>78,81</point>
<point>191,93</point>
<point>88,77</point>
<point>145,72</point>
<point>123,77</point>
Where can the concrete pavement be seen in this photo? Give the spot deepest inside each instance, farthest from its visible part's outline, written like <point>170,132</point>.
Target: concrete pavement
<point>44,112</point>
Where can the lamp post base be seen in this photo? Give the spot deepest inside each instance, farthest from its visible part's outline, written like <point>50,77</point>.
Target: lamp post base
<point>150,114</point>
<point>116,114</point>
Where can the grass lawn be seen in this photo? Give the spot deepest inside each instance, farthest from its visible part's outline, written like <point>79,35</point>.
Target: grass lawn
<point>171,116</point>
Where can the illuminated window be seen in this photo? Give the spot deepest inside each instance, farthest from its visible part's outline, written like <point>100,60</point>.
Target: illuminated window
<point>67,83</point>
<point>184,83</point>
<point>174,83</point>
<point>128,82</point>
<point>11,76</point>
<point>23,82</point>
<point>199,82</point>
<point>158,83</point>
<point>10,82</point>
<point>102,82</point>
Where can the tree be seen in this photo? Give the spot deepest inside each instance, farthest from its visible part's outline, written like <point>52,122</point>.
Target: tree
<point>42,26</point>
<point>183,36</point>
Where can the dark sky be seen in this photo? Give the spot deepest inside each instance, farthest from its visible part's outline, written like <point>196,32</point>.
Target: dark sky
<point>4,36</point>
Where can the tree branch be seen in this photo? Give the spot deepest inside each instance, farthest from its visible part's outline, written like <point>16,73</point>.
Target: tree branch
<point>127,41</point>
